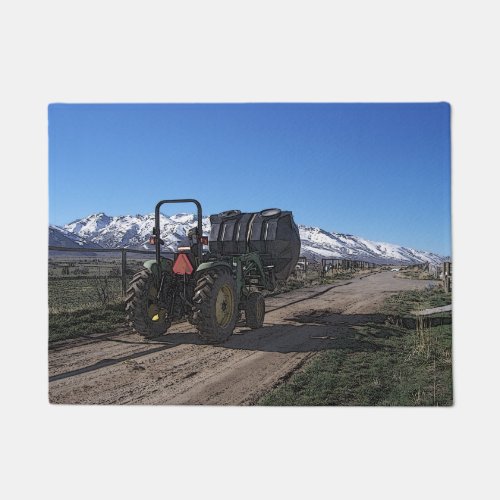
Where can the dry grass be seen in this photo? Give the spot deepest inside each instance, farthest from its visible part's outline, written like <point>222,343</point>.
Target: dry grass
<point>415,274</point>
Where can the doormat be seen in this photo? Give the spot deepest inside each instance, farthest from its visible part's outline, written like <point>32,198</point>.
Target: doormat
<point>250,254</point>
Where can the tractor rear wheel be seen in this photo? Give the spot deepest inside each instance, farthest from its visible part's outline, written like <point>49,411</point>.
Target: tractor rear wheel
<point>255,310</point>
<point>144,314</point>
<point>215,308</point>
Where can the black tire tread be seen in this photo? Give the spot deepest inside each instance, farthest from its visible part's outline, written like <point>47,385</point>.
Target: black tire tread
<point>253,320</point>
<point>203,309</point>
<point>136,302</point>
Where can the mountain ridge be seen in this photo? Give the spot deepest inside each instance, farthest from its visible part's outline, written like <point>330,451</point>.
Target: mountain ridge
<point>126,231</point>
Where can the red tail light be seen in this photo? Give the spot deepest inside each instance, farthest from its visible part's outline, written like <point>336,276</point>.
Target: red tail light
<point>152,240</point>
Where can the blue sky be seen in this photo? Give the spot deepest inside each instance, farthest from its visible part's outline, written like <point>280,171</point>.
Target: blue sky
<point>381,171</point>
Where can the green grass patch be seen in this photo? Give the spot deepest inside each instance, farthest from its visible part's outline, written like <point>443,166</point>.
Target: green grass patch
<point>378,364</point>
<point>403,372</point>
<point>65,325</point>
<point>414,300</point>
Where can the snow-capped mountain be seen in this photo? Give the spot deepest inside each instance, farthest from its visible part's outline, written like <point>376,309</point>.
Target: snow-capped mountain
<point>317,243</point>
<point>133,231</point>
<point>60,237</point>
<point>127,231</point>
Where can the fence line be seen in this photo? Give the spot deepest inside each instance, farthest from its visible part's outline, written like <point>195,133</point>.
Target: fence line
<point>333,263</point>
<point>103,250</point>
<point>119,251</point>
<point>327,264</point>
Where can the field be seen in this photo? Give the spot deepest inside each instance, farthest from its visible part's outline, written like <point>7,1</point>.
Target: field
<point>71,294</point>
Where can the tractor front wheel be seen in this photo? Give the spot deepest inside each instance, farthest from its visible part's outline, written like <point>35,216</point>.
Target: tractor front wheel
<point>255,310</point>
<point>215,305</point>
<point>144,314</point>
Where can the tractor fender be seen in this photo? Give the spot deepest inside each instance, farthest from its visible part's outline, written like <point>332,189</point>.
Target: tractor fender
<point>153,266</point>
<point>211,265</point>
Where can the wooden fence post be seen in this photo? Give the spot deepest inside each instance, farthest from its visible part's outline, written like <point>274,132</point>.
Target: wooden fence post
<point>124,272</point>
<point>447,276</point>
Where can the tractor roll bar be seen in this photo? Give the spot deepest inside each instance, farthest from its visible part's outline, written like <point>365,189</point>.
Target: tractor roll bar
<point>157,226</point>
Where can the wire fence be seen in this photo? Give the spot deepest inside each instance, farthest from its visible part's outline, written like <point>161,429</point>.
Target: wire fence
<point>116,264</point>
<point>90,277</point>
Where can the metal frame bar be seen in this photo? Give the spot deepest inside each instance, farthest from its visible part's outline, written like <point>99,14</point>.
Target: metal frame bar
<point>102,250</point>
<point>157,226</point>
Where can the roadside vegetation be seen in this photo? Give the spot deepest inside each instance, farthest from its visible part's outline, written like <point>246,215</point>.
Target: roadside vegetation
<point>84,305</point>
<point>415,274</point>
<point>404,303</point>
<point>74,323</point>
<point>383,365</point>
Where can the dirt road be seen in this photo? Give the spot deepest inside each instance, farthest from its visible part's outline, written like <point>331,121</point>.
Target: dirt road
<point>122,368</point>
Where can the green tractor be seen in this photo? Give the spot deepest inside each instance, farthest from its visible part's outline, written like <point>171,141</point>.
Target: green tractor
<point>247,253</point>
